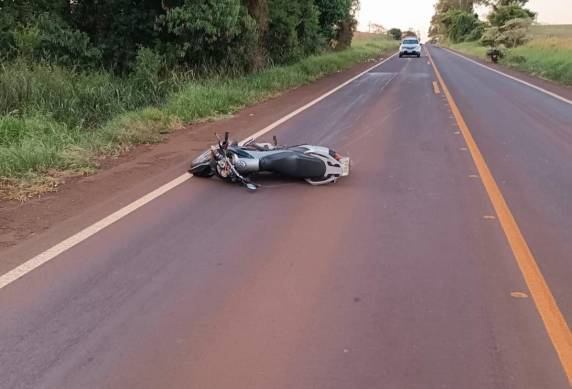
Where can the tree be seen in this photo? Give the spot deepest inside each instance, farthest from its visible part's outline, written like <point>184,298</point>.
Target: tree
<point>258,10</point>
<point>490,36</point>
<point>503,13</point>
<point>309,27</point>
<point>511,34</point>
<point>438,27</point>
<point>118,27</point>
<point>16,14</point>
<point>461,25</point>
<point>500,3</point>
<point>210,32</point>
<point>515,32</point>
<point>395,33</point>
<point>282,41</point>
<point>118,34</point>
<point>410,33</point>
<point>337,20</point>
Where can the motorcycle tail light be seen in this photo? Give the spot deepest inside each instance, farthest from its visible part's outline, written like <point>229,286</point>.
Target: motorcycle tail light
<point>335,155</point>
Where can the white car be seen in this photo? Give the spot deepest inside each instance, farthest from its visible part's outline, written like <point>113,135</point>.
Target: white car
<point>410,46</point>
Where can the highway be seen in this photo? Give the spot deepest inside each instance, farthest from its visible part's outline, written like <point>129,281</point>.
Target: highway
<point>412,273</point>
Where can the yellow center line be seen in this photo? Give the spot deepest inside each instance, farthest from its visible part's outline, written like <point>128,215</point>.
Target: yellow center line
<point>436,88</point>
<point>554,322</point>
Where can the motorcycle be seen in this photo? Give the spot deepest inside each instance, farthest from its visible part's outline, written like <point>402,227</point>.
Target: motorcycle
<point>236,163</point>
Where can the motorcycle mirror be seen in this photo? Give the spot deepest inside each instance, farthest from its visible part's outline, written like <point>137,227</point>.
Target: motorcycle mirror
<point>251,187</point>
<point>226,135</point>
<point>275,140</point>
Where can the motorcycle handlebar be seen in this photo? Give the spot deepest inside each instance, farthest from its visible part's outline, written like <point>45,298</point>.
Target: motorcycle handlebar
<point>223,144</point>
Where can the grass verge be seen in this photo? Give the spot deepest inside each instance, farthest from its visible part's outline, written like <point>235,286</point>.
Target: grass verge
<point>547,55</point>
<point>55,122</point>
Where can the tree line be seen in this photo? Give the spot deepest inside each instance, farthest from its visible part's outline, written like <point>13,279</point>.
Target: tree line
<point>117,34</point>
<point>506,25</point>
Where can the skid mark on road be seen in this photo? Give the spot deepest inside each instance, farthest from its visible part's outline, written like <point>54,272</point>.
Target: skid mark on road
<point>354,139</point>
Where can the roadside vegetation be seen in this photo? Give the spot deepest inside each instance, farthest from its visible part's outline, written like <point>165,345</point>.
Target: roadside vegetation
<point>73,92</point>
<point>398,34</point>
<point>545,54</point>
<point>509,32</point>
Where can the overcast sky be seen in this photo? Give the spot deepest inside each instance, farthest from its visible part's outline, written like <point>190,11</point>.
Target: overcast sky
<point>417,13</point>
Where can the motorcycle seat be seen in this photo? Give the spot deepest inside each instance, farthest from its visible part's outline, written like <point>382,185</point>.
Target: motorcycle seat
<point>293,164</point>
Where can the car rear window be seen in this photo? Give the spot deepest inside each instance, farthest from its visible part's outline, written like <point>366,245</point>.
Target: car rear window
<point>410,41</point>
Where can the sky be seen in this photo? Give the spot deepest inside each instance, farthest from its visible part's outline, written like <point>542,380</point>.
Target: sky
<point>416,14</point>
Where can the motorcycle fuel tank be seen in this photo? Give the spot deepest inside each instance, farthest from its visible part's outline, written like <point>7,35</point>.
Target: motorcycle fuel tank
<point>246,165</point>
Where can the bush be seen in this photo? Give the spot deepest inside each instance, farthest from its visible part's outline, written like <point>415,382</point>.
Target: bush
<point>146,76</point>
<point>504,13</point>
<point>490,36</point>
<point>476,33</point>
<point>516,59</point>
<point>514,32</point>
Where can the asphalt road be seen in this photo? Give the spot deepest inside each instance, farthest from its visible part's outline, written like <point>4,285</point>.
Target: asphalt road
<point>399,276</point>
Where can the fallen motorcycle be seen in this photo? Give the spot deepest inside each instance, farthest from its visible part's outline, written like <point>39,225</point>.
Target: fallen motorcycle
<point>236,163</point>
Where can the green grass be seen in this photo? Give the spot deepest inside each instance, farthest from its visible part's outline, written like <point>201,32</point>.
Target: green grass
<point>470,48</point>
<point>547,60</point>
<point>548,54</point>
<point>55,120</point>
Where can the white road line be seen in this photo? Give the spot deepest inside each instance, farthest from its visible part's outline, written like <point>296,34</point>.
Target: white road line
<point>51,253</point>
<point>552,94</point>
<point>84,234</point>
